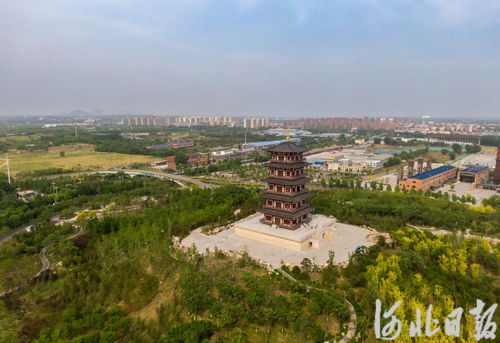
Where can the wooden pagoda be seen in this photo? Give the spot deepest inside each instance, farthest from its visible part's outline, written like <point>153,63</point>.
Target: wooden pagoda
<point>286,193</point>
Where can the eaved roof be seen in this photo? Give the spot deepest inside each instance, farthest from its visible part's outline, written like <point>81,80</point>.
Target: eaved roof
<point>286,147</point>
<point>432,172</point>
<point>474,169</point>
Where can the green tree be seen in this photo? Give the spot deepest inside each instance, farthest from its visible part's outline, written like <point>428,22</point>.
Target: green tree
<point>181,157</point>
<point>457,148</point>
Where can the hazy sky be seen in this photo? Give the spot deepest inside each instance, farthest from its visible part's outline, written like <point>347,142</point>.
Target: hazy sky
<point>241,57</point>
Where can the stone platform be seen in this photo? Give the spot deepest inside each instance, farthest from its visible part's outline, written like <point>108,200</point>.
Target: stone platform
<point>343,240</point>
<point>314,234</point>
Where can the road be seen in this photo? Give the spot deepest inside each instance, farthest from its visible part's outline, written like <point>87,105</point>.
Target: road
<point>179,179</point>
<point>6,236</point>
<point>45,263</point>
<point>351,327</point>
<point>175,177</point>
<point>44,259</point>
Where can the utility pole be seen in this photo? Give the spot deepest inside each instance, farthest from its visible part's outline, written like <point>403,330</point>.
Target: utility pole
<point>76,131</point>
<point>8,167</point>
<point>6,159</point>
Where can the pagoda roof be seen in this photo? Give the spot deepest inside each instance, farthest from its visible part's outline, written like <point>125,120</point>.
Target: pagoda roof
<point>286,164</point>
<point>288,215</point>
<point>291,198</point>
<point>283,182</point>
<point>286,147</point>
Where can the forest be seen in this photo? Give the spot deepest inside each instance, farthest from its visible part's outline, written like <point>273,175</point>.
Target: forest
<point>389,211</point>
<point>123,279</point>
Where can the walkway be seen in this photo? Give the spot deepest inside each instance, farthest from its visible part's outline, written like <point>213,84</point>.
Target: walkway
<point>6,236</point>
<point>459,232</point>
<point>351,328</point>
<point>45,263</point>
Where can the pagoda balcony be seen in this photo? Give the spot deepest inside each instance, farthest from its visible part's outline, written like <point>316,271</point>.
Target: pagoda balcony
<point>304,210</point>
<point>300,160</point>
<point>288,194</point>
<point>271,179</point>
<point>284,177</point>
<point>287,210</point>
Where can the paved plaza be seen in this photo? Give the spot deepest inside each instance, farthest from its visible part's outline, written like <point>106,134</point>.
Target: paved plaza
<point>465,188</point>
<point>345,241</point>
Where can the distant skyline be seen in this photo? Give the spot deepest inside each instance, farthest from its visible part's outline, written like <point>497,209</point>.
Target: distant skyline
<point>401,58</point>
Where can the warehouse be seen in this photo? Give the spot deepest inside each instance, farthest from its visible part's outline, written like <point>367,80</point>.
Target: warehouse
<point>430,179</point>
<point>474,175</point>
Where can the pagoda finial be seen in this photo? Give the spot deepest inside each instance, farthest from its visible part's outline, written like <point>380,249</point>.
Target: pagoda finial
<point>287,134</point>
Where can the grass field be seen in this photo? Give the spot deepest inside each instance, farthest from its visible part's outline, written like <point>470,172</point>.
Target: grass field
<point>76,157</point>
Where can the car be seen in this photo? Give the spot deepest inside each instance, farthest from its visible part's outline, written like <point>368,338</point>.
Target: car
<point>30,228</point>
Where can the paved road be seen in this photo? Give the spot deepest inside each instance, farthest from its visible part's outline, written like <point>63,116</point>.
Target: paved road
<point>6,236</point>
<point>179,179</point>
<point>45,262</point>
<point>175,177</point>
<point>160,175</point>
<point>351,327</point>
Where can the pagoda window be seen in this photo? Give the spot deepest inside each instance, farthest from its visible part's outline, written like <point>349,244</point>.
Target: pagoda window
<point>287,222</point>
<point>270,202</point>
<point>269,218</point>
<point>279,189</point>
<point>271,187</point>
<point>278,204</point>
<point>288,173</point>
<point>288,189</point>
<point>281,158</point>
<point>287,206</point>
<point>280,173</point>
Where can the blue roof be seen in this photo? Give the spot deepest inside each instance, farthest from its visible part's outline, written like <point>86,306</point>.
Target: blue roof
<point>474,169</point>
<point>432,172</point>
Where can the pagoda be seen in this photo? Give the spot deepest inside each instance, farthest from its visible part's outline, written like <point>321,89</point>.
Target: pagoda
<point>286,193</point>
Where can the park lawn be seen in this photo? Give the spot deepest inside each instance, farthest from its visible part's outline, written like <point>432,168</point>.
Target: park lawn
<point>78,157</point>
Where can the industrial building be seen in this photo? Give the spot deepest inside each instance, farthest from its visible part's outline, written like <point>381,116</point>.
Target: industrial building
<point>355,161</point>
<point>167,163</point>
<point>171,145</point>
<point>430,179</point>
<point>452,139</point>
<point>474,174</point>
